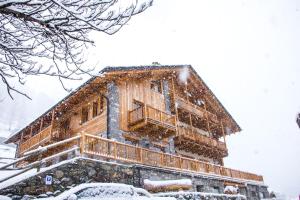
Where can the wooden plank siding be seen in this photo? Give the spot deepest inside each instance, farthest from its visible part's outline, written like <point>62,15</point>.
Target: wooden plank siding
<point>140,91</point>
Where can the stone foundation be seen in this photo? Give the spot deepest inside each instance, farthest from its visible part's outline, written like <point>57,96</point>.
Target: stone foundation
<point>83,170</point>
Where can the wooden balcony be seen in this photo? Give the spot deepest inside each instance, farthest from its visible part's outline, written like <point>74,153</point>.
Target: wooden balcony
<point>191,139</point>
<point>148,120</point>
<point>37,140</point>
<point>197,110</point>
<point>102,147</point>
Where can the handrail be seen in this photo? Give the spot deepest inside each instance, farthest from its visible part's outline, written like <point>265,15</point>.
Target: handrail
<point>37,151</point>
<point>36,139</point>
<point>38,164</point>
<point>95,145</point>
<point>146,111</point>
<point>107,148</point>
<point>147,105</point>
<point>211,115</point>
<point>197,137</point>
<point>136,115</point>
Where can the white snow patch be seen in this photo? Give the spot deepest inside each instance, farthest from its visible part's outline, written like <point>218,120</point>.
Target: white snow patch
<point>195,194</point>
<point>231,189</point>
<point>105,191</point>
<point>165,183</point>
<point>4,198</point>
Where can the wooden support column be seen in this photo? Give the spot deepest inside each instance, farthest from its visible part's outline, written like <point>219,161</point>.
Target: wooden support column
<point>31,131</point>
<point>52,121</point>
<point>41,125</point>
<point>223,132</point>
<point>191,124</point>
<point>207,120</point>
<point>19,146</point>
<point>186,92</point>
<point>176,110</point>
<point>82,143</point>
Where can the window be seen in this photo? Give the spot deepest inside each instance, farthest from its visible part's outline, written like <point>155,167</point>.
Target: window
<point>84,115</point>
<point>95,109</point>
<point>98,106</point>
<point>156,86</point>
<point>101,104</point>
<point>200,188</point>
<point>216,189</point>
<point>253,193</point>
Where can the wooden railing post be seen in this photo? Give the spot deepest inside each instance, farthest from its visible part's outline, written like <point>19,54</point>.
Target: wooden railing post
<point>180,162</point>
<point>141,155</point>
<point>162,159</point>
<point>115,149</point>
<point>82,142</point>
<point>160,116</point>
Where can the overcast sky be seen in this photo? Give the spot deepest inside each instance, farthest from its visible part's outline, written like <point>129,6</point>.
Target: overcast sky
<point>248,52</point>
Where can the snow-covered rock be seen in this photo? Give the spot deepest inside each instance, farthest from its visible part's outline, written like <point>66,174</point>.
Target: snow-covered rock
<point>167,185</point>
<point>231,190</point>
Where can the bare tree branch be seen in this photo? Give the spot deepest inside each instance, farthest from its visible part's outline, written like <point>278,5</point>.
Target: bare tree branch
<point>32,31</point>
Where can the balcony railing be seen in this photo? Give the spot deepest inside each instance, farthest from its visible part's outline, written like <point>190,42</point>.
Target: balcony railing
<point>192,134</point>
<point>36,140</point>
<point>98,146</point>
<point>146,113</point>
<point>196,109</point>
<point>102,148</point>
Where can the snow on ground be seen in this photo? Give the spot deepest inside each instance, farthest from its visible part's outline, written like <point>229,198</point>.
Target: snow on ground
<point>104,191</point>
<point>6,152</point>
<point>4,198</point>
<point>182,194</point>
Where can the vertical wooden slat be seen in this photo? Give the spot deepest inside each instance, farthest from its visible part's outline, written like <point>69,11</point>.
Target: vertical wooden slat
<point>31,131</point>
<point>115,149</point>
<point>41,125</point>
<point>82,143</point>
<point>207,119</point>
<point>223,132</point>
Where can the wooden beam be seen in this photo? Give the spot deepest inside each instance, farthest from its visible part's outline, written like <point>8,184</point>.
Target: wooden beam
<point>176,109</point>
<point>31,131</point>
<point>52,122</point>
<point>207,120</point>
<point>223,132</point>
<point>41,125</point>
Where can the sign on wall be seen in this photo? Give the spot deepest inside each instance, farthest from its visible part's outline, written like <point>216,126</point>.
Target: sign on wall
<point>48,180</point>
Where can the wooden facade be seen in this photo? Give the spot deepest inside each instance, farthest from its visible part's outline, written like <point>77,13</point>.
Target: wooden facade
<point>150,108</point>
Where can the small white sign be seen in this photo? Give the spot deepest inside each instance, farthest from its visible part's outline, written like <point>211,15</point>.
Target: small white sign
<point>48,180</point>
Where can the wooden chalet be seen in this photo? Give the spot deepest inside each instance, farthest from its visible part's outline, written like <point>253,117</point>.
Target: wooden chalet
<point>163,116</point>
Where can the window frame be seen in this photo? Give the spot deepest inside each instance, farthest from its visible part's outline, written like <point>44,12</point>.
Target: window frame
<point>156,86</point>
<point>84,119</point>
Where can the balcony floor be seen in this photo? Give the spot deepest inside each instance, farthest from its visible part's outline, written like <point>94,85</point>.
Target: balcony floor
<point>153,127</point>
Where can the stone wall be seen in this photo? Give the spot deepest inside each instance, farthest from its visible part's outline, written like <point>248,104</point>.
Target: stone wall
<point>82,170</point>
<point>69,175</point>
<point>114,110</point>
